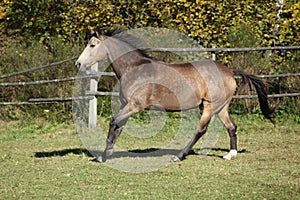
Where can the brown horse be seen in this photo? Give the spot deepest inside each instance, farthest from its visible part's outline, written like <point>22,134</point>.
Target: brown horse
<point>147,83</point>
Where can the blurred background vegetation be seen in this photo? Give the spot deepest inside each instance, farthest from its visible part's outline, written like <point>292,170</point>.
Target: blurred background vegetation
<point>33,33</point>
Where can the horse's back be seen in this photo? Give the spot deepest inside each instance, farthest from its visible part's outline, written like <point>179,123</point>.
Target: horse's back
<point>178,86</point>
<point>218,79</point>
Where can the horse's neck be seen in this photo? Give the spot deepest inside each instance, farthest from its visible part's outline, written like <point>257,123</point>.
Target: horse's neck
<point>124,58</point>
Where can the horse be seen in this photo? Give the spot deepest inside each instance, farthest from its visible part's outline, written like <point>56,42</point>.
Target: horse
<point>150,83</point>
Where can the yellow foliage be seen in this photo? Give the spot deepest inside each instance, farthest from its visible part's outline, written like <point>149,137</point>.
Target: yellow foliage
<point>209,22</point>
<point>2,10</point>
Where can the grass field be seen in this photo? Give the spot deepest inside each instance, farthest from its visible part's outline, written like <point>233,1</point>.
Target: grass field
<point>48,161</point>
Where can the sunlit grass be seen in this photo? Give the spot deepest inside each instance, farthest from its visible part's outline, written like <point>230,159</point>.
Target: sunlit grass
<point>48,161</point>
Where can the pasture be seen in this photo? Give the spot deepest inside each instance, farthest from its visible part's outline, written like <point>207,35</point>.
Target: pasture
<point>42,160</point>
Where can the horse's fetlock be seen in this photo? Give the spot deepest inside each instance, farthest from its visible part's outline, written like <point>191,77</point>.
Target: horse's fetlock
<point>109,152</point>
<point>109,144</point>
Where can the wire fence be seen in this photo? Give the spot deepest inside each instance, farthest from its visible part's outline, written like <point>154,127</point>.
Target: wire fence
<point>111,74</point>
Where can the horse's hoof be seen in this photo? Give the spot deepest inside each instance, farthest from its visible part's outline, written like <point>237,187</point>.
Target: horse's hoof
<point>99,159</point>
<point>232,154</point>
<point>175,159</point>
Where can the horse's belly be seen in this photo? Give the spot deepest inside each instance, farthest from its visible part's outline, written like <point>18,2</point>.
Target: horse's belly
<point>173,103</point>
<point>169,98</point>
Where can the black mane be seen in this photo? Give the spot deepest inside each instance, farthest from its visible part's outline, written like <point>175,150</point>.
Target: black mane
<point>123,34</point>
<point>110,31</point>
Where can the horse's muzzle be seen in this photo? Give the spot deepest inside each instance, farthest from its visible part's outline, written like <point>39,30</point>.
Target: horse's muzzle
<point>78,65</point>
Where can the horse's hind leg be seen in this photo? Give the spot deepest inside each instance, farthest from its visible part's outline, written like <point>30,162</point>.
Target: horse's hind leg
<point>202,127</point>
<point>231,128</point>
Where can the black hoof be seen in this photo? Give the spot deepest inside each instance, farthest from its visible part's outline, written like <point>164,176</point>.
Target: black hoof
<point>175,159</point>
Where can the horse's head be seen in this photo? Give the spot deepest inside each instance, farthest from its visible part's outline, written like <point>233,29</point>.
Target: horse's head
<point>94,51</point>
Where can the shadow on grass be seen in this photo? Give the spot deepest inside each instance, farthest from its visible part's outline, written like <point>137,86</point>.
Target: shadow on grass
<point>118,154</point>
<point>64,152</point>
<point>209,152</point>
<point>151,152</point>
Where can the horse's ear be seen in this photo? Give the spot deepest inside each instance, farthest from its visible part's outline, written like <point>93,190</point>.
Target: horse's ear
<point>97,35</point>
<point>93,33</point>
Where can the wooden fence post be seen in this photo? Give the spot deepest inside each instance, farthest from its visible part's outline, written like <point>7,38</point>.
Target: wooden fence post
<point>93,102</point>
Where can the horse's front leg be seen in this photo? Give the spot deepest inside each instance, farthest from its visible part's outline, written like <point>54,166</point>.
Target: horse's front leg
<point>115,129</point>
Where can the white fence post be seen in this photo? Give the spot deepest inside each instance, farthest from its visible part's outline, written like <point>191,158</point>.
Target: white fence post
<point>93,102</point>
<point>213,55</point>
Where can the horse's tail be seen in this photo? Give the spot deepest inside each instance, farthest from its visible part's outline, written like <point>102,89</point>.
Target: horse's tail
<point>261,92</point>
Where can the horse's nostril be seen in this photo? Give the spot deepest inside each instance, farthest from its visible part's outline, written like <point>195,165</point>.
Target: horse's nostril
<point>78,64</point>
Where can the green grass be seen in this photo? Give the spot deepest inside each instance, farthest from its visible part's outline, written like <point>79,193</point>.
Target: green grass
<point>267,168</point>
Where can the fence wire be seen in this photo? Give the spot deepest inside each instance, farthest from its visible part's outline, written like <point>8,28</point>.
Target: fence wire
<point>100,93</point>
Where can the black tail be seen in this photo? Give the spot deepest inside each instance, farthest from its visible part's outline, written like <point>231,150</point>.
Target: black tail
<point>261,92</point>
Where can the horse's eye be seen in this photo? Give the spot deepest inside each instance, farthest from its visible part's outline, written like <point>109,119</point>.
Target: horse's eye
<point>92,45</point>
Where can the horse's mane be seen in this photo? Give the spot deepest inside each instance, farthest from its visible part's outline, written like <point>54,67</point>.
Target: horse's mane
<point>123,35</point>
